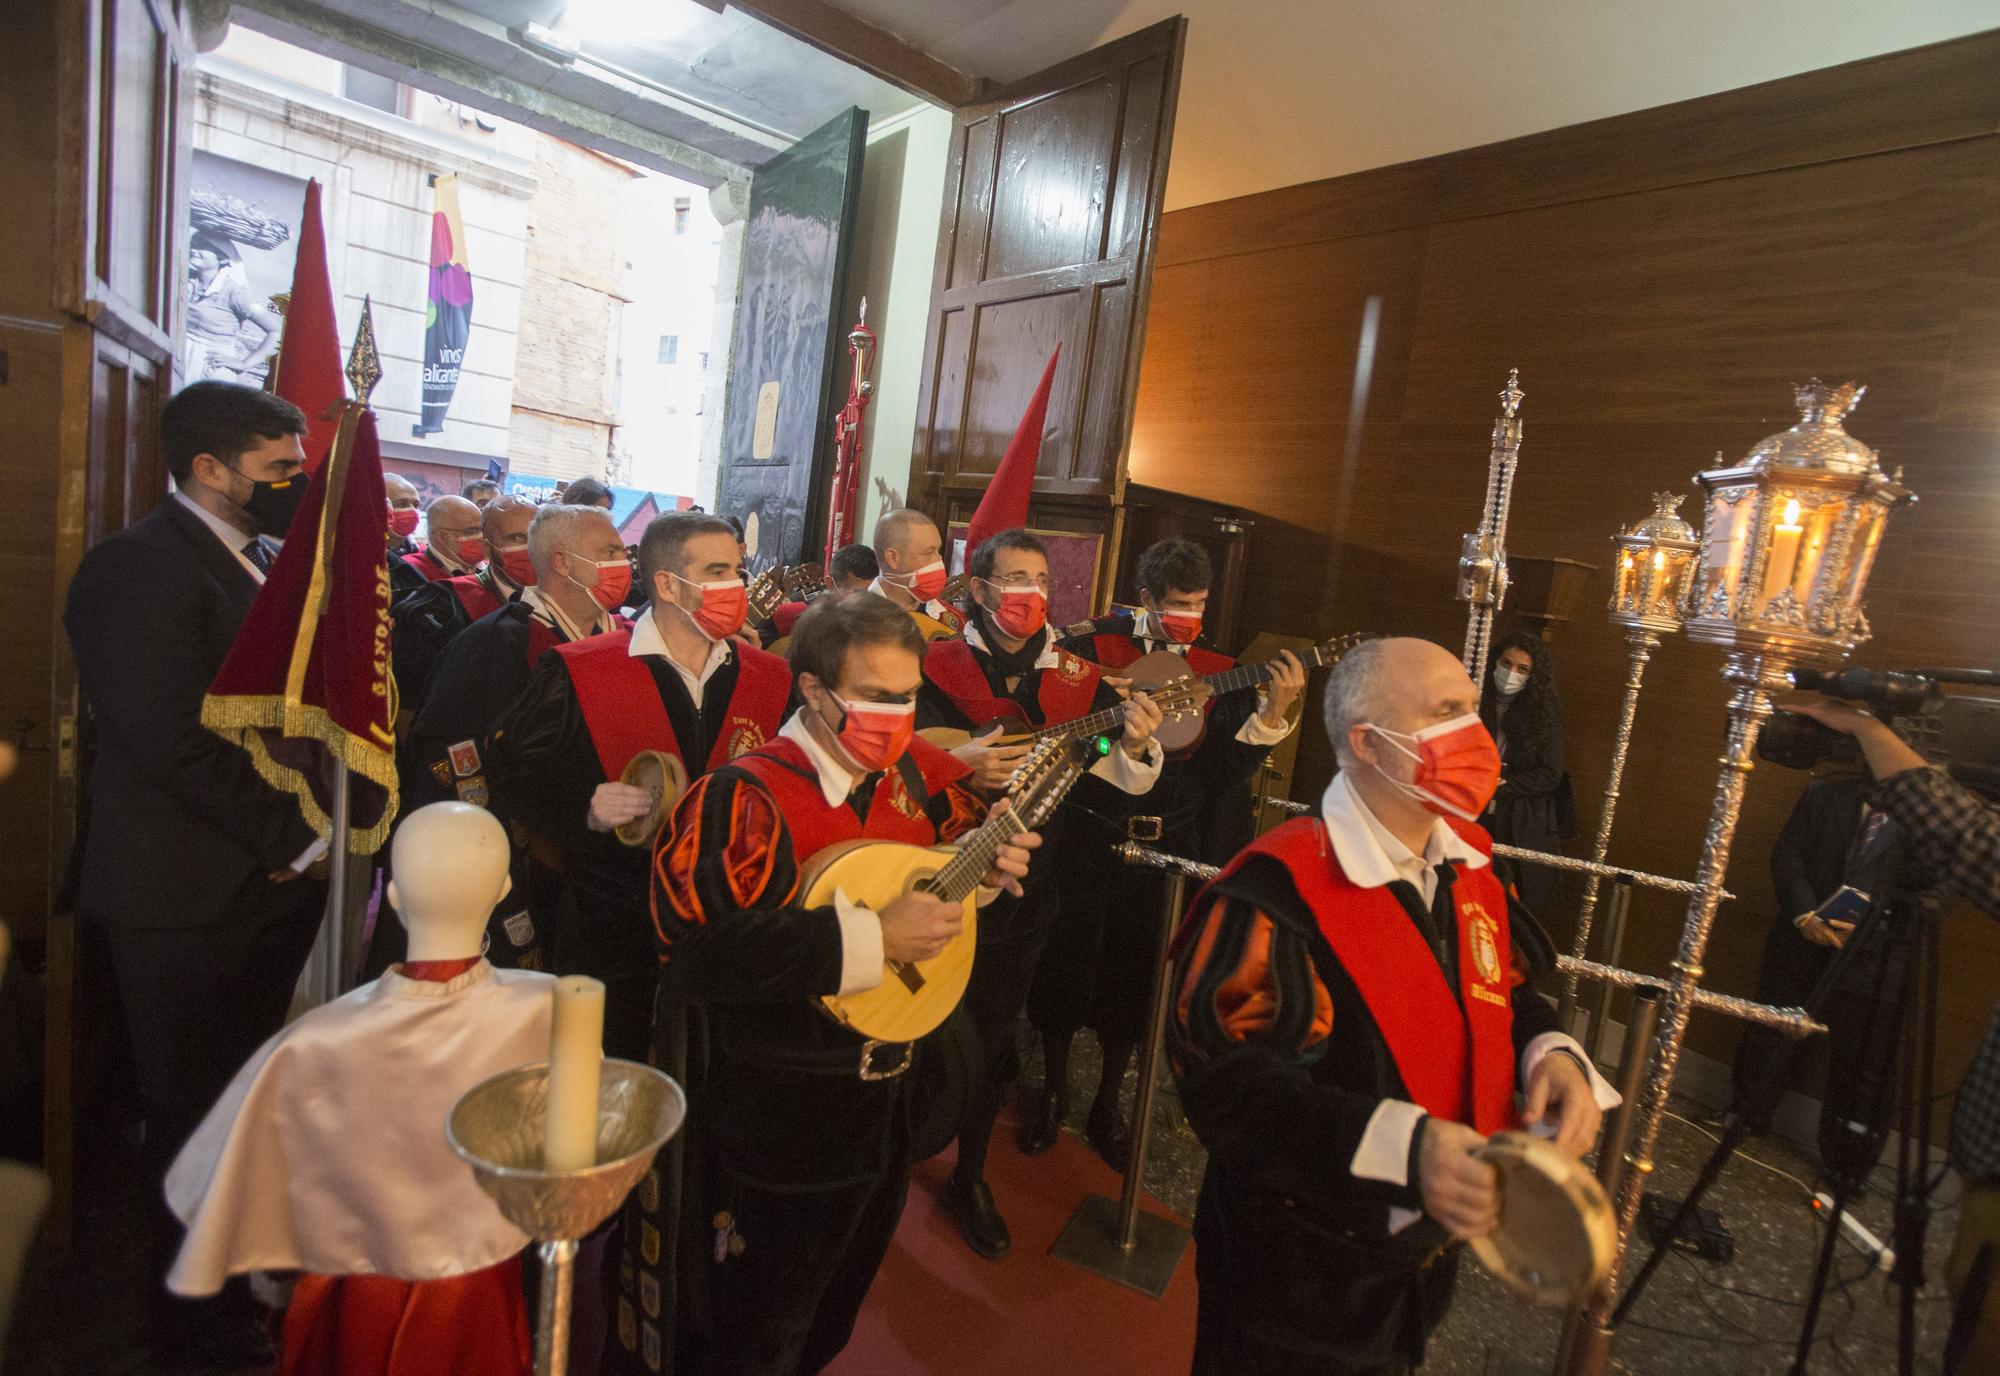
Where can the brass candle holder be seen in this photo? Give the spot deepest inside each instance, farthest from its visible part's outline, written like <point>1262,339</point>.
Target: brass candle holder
<point>496,1128</point>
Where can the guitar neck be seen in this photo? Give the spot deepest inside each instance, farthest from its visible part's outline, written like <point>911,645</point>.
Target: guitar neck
<point>1009,817</point>
<point>1096,724</point>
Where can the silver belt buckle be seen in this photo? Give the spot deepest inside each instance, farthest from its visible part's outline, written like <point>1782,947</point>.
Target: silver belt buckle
<point>869,1071</point>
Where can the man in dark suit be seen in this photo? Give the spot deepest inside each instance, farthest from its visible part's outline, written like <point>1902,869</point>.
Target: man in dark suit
<point>205,880</point>
<point>1833,837</point>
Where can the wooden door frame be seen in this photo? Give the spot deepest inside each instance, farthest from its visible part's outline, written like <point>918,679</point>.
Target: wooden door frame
<point>96,321</point>
<point>1058,500</point>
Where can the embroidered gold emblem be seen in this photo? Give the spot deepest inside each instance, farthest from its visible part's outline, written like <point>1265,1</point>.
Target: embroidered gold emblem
<point>1485,946</point>
<point>902,801</point>
<point>745,735</point>
<point>1071,669</point>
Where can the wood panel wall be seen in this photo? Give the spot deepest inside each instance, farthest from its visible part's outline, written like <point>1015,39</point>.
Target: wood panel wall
<point>1328,355</point>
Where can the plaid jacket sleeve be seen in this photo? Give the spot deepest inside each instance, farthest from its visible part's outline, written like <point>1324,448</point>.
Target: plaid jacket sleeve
<point>1955,835</point>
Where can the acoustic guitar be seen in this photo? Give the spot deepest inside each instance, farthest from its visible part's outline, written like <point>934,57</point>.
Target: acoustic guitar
<point>913,999</point>
<point>1180,694</point>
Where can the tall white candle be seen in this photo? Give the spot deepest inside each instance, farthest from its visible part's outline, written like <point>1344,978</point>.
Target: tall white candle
<point>576,1059</point>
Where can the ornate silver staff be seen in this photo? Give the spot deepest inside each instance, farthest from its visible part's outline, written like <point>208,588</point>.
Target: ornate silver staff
<point>1655,559</point>
<point>1787,541</point>
<point>1482,560</point>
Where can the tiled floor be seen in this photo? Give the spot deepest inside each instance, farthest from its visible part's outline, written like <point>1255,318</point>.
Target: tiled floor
<point>1697,1318</point>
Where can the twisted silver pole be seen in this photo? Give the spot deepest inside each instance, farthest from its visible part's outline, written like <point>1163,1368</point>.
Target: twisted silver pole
<point>1757,677</point>
<point>1643,643</point>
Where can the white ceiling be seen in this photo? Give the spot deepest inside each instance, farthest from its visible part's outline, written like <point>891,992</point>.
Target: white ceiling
<point>1275,92</point>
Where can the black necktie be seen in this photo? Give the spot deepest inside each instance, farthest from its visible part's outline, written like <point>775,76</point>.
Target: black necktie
<point>259,554</point>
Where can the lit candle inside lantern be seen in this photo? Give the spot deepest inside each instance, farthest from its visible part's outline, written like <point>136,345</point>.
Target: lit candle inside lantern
<point>576,1060</point>
<point>1784,549</point>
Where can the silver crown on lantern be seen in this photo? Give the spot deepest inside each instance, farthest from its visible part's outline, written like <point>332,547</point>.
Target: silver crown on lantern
<point>1789,536</point>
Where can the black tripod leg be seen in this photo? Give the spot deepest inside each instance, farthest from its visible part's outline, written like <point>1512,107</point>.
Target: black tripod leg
<point>1913,1155</point>
<point>1764,1094</point>
<point>1803,1353</point>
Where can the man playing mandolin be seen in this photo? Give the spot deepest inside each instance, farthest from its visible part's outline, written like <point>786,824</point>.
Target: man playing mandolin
<point>1349,1028</point>
<point>801,1158</point>
<point>1094,970</point>
<point>1007,673</point>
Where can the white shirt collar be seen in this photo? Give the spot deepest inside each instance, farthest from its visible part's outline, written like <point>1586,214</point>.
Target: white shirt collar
<point>1047,659</point>
<point>836,780</point>
<point>232,539</point>
<point>933,608</point>
<point>1370,856</point>
<point>548,611</point>
<point>647,640</point>
<point>1146,626</point>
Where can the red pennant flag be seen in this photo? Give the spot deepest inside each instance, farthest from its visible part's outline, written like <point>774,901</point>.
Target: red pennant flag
<point>1005,504</point>
<point>307,680</point>
<point>309,368</point>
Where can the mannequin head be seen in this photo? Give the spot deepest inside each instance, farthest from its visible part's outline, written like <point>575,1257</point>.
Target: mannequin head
<point>450,863</point>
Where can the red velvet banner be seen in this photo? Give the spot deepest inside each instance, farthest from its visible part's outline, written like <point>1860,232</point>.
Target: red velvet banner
<point>307,681</point>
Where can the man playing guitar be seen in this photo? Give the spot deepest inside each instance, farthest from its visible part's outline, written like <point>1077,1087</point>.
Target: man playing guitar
<point>800,1159</point>
<point>1007,670</point>
<point>1094,970</point>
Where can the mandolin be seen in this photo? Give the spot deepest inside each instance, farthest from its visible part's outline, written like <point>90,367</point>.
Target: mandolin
<point>912,999</point>
<point>1181,696</point>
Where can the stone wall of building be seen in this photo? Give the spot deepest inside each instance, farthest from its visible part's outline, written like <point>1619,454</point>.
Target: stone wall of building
<point>573,275</point>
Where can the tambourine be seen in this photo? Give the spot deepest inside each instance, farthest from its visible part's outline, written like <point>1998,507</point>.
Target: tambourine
<point>1557,1233</point>
<point>661,775</point>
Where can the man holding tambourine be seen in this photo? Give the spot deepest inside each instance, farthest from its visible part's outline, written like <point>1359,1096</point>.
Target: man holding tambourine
<point>1349,1028</point>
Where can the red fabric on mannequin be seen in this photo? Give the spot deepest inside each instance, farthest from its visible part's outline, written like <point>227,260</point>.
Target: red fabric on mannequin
<point>379,1326</point>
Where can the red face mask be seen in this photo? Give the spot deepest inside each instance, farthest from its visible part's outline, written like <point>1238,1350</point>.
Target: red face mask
<point>516,564</point>
<point>614,580</point>
<point>723,607</point>
<point>1022,611</point>
<point>403,521</point>
<point>875,734</point>
<point>926,583</point>
<point>471,550</point>
<point>1458,766</point>
<point>1182,626</point>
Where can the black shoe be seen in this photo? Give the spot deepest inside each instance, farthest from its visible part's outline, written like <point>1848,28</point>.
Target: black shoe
<point>979,1223</point>
<point>1109,1138</point>
<point>1041,1128</point>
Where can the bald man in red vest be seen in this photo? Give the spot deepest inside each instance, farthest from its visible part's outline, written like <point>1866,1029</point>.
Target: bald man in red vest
<point>1349,1027</point>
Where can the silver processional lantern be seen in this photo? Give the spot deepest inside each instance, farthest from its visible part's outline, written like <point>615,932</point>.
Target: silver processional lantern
<point>1656,558</point>
<point>1788,538</point>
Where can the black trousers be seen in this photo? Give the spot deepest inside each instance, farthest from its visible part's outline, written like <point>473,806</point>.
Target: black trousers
<point>785,1304</point>
<point>1003,967</point>
<point>198,1002</point>
<point>1859,1045</point>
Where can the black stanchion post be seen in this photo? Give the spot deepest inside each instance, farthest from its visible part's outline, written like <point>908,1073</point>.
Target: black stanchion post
<point>1614,953</point>
<point>1117,1239</point>
<point>1586,1347</point>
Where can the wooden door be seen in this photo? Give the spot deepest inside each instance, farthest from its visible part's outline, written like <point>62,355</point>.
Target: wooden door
<point>778,436</point>
<point>97,96</point>
<point>1051,213</point>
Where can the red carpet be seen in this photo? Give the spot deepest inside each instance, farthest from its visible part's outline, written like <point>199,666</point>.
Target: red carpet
<point>939,1310</point>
